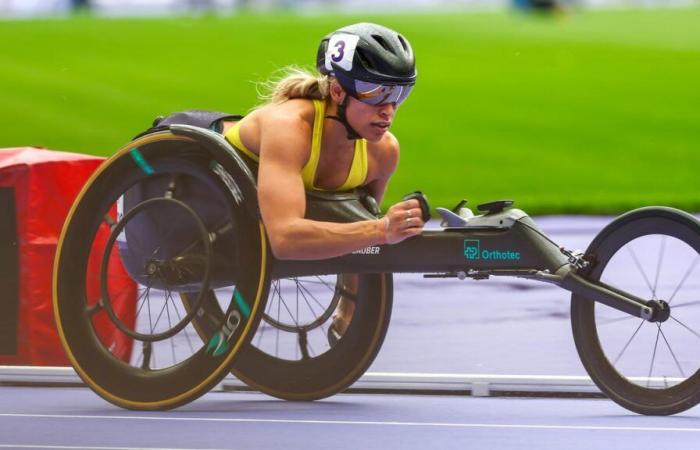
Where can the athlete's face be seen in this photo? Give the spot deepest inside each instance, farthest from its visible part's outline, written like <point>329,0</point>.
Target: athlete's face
<point>370,121</point>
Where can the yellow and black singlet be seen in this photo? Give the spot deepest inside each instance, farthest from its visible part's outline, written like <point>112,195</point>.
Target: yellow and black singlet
<point>358,169</point>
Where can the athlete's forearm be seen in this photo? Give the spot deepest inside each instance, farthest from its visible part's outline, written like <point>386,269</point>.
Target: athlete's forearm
<point>310,239</point>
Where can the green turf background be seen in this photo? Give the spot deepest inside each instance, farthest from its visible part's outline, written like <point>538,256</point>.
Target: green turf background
<point>592,112</point>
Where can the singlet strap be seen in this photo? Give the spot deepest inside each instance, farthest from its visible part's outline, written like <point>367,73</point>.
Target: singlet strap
<point>358,169</point>
<point>233,135</point>
<point>308,173</point>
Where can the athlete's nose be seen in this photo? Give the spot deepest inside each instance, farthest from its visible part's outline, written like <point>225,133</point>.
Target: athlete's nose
<point>387,111</point>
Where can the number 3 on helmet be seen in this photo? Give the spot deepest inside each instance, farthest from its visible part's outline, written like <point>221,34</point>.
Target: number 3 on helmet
<point>374,64</point>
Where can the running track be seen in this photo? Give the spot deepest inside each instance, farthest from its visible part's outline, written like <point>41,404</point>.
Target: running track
<point>450,326</point>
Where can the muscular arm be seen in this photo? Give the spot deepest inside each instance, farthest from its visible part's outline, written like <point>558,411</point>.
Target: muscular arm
<point>387,158</point>
<point>283,153</point>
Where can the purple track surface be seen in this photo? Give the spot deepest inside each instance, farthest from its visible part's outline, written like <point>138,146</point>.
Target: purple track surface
<point>75,418</point>
<point>504,326</point>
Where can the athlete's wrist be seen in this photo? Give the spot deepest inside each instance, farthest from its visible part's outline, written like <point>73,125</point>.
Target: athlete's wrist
<point>382,230</point>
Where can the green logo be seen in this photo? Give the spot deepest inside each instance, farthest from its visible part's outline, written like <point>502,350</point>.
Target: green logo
<point>221,341</point>
<point>217,345</point>
<point>473,250</point>
<point>240,301</point>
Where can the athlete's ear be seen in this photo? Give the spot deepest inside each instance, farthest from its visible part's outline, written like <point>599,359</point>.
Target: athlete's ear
<point>337,92</point>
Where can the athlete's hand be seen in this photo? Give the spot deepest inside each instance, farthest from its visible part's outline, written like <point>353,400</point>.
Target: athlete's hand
<point>401,221</point>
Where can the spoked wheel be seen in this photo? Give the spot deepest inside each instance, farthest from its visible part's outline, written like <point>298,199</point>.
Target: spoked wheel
<point>649,368</point>
<point>290,356</point>
<point>154,220</point>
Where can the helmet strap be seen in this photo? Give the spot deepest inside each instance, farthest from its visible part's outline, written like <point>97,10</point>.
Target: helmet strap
<point>341,117</point>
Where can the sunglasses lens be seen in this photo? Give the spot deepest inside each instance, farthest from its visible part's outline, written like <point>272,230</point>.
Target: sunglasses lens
<point>380,94</point>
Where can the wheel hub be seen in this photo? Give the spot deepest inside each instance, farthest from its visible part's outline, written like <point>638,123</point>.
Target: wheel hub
<point>661,311</point>
<point>176,271</point>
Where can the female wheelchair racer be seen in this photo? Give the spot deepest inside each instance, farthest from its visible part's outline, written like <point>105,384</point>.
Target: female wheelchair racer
<point>177,212</point>
<point>313,132</point>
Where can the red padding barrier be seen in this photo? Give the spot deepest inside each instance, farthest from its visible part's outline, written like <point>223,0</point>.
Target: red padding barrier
<point>44,184</point>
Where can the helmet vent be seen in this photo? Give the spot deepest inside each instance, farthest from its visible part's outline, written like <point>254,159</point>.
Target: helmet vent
<point>365,61</point>
<point>381,41</point>
<point>403,43</point>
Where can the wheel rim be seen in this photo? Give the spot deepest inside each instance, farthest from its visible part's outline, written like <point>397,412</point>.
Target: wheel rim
<point>159,326</point>
<point>194,263</point>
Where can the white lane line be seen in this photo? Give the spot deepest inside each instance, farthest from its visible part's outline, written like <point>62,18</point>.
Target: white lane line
<point>92,447</point>
<point>363,422</point>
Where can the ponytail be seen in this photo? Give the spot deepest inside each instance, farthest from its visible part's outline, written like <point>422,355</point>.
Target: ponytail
<point>295,83</point>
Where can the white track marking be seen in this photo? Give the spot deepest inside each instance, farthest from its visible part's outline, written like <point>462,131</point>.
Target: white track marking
<point>363,422</point>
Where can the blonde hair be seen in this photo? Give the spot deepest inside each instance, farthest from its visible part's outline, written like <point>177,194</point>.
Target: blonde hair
<point>295,82</point>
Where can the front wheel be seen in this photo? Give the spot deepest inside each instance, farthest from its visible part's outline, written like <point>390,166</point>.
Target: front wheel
<point>649,368</point>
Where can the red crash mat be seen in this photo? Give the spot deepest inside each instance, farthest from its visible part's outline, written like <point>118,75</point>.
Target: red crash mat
<point>37,189</point>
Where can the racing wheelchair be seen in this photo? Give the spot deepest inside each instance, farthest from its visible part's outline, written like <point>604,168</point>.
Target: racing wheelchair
<point>173,217</point>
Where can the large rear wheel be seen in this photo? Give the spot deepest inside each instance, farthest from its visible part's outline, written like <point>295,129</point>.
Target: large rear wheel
<point>290,356</point>
<point>156,219</point>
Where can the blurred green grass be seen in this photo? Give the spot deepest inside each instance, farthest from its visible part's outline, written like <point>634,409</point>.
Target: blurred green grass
<point>593,112</point>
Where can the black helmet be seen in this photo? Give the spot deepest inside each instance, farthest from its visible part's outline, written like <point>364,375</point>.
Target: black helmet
<point>372,63</point>
<point>367,52</point>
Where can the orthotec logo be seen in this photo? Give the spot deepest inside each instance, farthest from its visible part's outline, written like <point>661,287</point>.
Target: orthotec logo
<point>473,250</point>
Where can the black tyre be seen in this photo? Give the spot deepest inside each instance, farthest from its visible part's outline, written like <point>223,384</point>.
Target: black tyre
<point>157,218</point>
<point>649,368</point>
<point>290,356</point>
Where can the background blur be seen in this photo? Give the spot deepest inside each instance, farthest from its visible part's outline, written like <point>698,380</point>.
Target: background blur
<point>588,107</point>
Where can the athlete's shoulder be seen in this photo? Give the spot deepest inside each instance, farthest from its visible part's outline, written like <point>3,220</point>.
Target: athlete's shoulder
<point>387,146</point>
<point>386,153</point>
<point>294,112</point>
<point>390,142</point>
<point>286,130</point>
